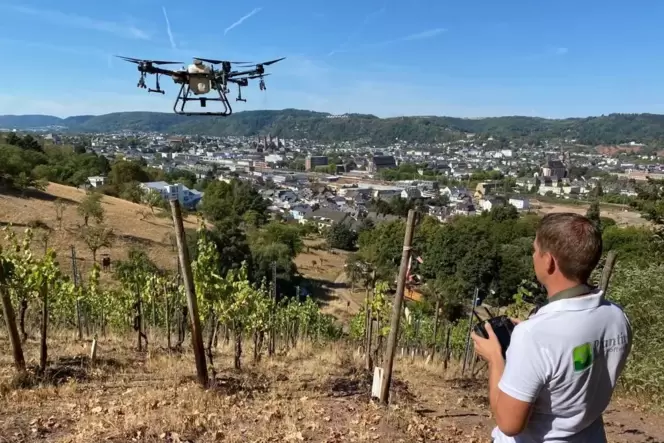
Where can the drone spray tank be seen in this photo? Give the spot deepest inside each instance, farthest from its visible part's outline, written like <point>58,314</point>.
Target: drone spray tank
<point>199,84</point>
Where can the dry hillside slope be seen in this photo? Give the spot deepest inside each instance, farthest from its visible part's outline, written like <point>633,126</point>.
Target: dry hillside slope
<point>38,209</point>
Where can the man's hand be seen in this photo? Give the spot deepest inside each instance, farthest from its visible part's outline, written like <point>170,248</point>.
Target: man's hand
<point>488,348</point>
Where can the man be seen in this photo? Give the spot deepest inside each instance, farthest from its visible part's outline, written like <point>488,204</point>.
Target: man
<point>563,362</point>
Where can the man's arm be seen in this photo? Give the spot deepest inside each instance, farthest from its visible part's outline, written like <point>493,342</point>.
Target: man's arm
<point>511,409</point>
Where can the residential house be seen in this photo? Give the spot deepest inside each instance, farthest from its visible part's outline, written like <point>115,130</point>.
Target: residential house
<point>485,188</point>
<point>97,181</point>
<point>387,194</point>
<point>490,202</point>
<point>411,193</point>
<point>527,184</point>
<point>465,207</point>
<point>189,198</point>
<point>299,211</point>
<point>325,217</point>
<point>520,203</point>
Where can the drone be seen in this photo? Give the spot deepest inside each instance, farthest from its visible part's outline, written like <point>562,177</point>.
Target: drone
<point>200,79</point>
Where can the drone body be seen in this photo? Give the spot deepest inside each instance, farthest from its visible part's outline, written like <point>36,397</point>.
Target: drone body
<point>199,79</point>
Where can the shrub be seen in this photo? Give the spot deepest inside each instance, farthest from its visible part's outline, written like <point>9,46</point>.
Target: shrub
<point>639,291</point>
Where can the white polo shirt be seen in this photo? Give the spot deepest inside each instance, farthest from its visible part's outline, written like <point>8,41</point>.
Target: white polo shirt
<point>566,360</point>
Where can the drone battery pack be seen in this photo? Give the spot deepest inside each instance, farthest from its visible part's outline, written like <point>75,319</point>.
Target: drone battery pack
<point>502,326</point>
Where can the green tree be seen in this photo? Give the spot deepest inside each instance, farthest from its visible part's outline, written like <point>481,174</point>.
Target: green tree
<point>341,236</point>
<point>124,171</point>
<point>593,213</point>
<point>91,206</point>
<point>97,237</point>
<point>153,199</point>
<point>232,200</point>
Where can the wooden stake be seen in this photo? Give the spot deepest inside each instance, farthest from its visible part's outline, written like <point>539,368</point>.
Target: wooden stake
<point>396,309</point>
<point>187,277</point>
<point>10,320</point>
<point>93,351</point>
<point>607,271</point>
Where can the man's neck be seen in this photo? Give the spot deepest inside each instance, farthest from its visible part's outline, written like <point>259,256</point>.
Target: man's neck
<point>556,287</point>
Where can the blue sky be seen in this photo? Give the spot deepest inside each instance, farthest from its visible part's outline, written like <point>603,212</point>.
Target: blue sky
<point>468,58</point>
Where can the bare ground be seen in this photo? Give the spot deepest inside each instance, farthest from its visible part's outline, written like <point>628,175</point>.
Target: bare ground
<point>335,293</point>
<point>151,234</point>
<point>315,395</point>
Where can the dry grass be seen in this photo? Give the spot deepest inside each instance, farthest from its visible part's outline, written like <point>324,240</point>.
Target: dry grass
<point>335,293</point>
<point>120,215</point>
<point>622,215</point>
<point>317,394</point>
<point>328,265</point>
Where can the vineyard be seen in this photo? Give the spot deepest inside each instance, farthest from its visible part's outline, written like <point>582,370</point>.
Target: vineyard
<point>113,362</point>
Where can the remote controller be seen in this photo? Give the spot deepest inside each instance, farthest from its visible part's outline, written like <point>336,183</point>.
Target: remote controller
<point>502,326</point>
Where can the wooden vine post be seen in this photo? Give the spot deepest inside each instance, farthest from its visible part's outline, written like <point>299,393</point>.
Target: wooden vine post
<point>10,318</point>
<point>396,309</point>
<point>188,279</point>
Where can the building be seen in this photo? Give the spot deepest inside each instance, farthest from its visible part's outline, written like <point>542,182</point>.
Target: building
<point>489,203</point>
<point>189,198</point>
<point>379,162</point>
<point>313,161</point>
<point>554,168</point>
<point>485,188</point>
<point>55,138</point>
<point>97,181</point>
<point>520,203</point>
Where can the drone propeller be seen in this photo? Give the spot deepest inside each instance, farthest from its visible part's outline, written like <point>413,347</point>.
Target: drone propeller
<point>271,62</point>
<point>151,62</point>
<point>218,62</point>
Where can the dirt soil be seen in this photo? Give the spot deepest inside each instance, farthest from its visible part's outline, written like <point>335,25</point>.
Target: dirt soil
<point>313,395</point>
<point>151,234</point>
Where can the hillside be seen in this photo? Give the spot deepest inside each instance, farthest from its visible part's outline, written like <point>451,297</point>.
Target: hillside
<point>298,124</point>
<point>151,234</point>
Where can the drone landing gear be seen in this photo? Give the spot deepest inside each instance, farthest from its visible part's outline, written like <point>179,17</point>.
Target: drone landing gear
<point>184,97</point>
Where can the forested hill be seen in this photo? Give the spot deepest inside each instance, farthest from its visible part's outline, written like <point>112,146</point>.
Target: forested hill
<point>298,124</point>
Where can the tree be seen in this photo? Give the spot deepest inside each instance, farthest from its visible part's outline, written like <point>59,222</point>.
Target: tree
<point>97,237</point>
<point>91,207</point>
<point>341,236</point>
<point>13,139</point>
<point>232,200</point>
<point>132,191</point>
<point>153,199</point>
<point>60,206</point>
<point>593,213</point>
<point>501,213</point>
<point>124,171</point>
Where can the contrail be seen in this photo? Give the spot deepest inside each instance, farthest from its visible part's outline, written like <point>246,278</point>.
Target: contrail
<point>367,19</point>
<point>81,22</point>
<point>239,22</point>
<point>168,28</point>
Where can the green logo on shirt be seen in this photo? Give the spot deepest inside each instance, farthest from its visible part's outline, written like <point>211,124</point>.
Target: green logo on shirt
<point>582,356</point>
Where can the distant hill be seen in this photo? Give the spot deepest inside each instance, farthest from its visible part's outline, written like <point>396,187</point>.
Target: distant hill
<point>298,124</point>
<point>28,121</point>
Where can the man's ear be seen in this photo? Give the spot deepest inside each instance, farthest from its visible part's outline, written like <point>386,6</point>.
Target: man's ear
<point>551,264</point>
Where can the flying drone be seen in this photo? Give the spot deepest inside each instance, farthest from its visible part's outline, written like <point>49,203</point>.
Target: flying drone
<point>200,79</point>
